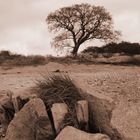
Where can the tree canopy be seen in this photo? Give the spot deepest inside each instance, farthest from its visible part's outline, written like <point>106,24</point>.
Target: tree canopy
<point>79,23</point>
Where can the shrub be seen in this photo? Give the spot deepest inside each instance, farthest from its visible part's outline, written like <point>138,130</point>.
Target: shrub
<point>7,58</point>
<point>5,53</point>
<point>36,59</point>
<point>59,89</point>
<point>125,48</point>
<point>93,49</point>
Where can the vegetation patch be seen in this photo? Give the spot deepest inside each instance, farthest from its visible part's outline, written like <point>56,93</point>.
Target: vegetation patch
<point>123,48</point>
<point>60,89</point>
<point>9,59</point>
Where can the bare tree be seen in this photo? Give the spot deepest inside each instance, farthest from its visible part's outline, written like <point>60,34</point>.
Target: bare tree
<point>79,23</point>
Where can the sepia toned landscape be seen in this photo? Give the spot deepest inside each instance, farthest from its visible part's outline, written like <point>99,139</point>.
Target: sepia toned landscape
<point>81,94</point>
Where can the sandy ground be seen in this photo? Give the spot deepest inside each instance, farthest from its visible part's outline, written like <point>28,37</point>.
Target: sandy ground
<point>117,84</point>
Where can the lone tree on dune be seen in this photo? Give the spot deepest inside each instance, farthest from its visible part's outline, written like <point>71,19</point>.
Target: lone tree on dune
<point>79,23</point>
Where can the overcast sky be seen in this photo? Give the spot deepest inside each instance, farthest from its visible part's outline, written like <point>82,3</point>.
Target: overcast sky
<point>23,28</point>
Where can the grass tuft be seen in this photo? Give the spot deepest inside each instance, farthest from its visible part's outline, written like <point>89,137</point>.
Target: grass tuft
<point>60,89</point>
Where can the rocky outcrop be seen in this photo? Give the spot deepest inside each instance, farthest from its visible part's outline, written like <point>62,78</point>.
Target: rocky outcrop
<point>71,133</point>
<point>30,123</point>
<point>6,113</point>
<point>10,104</point>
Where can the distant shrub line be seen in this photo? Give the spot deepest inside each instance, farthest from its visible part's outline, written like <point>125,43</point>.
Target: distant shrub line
<point>10,59</point>
<point>88,56</point>
<point>123,48</point>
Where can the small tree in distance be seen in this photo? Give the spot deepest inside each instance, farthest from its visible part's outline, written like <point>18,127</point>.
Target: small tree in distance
<point>79,23</point>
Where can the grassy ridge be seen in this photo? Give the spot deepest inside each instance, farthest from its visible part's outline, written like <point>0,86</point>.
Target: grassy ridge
<point>9,59</point>
<point>123,53</point>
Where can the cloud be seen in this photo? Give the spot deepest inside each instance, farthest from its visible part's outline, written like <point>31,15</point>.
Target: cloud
<point>23,28</point>
<point>129,23</point>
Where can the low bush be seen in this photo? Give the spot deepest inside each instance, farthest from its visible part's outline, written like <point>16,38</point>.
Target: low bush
<point>9,59</point>
<point>125,48</point>
<point>59,89</point>
<point>29,60</point>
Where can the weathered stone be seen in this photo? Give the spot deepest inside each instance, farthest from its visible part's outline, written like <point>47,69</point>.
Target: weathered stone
<point>71,133</point>
<point>20,100</point>
<point>16,103</point>
<point>6,113</point>
<point>30,123</point>
<point>82,114</point>
<point>59,110</point>
<point>3,121</point>
<point>6,102</point>
<point>100,113</point>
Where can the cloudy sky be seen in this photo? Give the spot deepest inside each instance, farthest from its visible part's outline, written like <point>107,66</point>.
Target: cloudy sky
<point>23,28</point>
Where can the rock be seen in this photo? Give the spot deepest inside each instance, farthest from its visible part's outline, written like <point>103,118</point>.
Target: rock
<point>6,113</point>
<point>6,102</point>
<point>17,103</point>
<point>3,121</point>
<point>59,110</point>
<point>71,133</point>
<point>30,123</point>
<point>20,101</point>
<point>100,117</point>
<point>57,70</point>
<point>82,114</point>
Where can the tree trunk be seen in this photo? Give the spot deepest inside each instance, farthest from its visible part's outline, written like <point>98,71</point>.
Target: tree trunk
<point>75,49</point>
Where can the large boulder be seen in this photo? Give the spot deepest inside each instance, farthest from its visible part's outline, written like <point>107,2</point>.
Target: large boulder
<point>30,123</point>
<point>71,133</point>
<point>59,111</point>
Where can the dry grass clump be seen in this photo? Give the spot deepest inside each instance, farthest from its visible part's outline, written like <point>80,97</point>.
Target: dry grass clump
<point>60,89</point>
<point>10,59</point>
<point>28,60</point>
